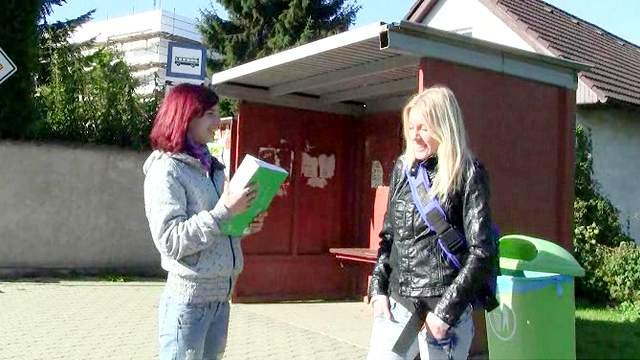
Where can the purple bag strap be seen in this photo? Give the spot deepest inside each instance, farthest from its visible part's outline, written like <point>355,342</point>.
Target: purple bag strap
<point>424,209</point>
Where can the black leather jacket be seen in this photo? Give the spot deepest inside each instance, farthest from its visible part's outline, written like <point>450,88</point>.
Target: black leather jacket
<point>410,262</point>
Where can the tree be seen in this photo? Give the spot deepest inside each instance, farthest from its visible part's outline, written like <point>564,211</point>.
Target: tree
<point>46,9</point>
<point>257,28</point>
<point>85,93</point>
<point>29,40</point>
<point>54,37</point>
<point>19,40</point>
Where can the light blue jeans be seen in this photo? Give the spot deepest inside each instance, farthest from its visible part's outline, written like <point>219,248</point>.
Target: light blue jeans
<point>192,331</point>
<point>385,332</point>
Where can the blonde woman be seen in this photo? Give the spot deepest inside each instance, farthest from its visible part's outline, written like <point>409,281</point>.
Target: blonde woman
<point>437,249</point>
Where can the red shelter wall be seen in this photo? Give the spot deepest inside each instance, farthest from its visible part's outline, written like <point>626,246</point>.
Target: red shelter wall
<point>523,132</point>
<point>290,258</point>
<point>380,143</point>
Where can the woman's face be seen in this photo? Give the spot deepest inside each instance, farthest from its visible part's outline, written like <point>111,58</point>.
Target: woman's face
<point>202,129</point>
<point>421,137</point>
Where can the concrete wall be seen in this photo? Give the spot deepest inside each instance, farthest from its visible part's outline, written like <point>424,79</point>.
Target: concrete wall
<point>615,136</point>
<point>66,207</point>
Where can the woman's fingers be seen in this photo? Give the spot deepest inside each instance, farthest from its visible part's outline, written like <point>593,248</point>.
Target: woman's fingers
<point>251,188</point>
<point>250,193</point>
<point>255,227</point>
<point>386,313</point>
<point>245,200</point>
<point>260,218</point>
<point>381,308</point>
<point>258,221</point>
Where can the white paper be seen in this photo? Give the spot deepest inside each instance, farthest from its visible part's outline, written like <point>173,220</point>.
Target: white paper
<point>309,166</point>
<point>327,166</point>
<point>377,174</point>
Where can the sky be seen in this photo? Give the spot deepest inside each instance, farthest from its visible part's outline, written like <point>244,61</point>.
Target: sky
<point>620,17</point>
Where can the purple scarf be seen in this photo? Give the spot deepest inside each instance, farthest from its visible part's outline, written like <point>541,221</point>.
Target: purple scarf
<point>200,152</point>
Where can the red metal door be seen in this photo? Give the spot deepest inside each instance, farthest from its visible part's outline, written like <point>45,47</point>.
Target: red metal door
<point>290,258</point>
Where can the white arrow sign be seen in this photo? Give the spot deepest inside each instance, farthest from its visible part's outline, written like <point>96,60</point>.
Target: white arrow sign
<point>7,67</point>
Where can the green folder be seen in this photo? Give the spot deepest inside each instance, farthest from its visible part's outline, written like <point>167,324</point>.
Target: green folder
<point>267,177</point>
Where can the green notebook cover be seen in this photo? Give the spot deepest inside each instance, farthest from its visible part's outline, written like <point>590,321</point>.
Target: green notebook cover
<point>268,179</point>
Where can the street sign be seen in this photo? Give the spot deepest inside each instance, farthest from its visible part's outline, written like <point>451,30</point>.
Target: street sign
<point>186,61</point>
<point>7,67</point>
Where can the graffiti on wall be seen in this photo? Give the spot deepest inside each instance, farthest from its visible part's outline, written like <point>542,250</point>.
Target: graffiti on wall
<point>281,156</point>
<point>318,169</point>
<point>377,174</point>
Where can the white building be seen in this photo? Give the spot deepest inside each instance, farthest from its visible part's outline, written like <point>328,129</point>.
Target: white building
<point>143,38</point>
<point>608,95</point>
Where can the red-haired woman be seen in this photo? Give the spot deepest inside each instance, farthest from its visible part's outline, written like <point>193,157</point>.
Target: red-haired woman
<point>186,200</point>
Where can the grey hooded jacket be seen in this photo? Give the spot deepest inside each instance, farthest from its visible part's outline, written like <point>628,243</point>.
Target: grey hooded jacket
<point>181,204</point>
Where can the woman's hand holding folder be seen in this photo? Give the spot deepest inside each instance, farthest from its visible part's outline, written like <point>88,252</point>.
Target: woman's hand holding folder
<point>238,201</point>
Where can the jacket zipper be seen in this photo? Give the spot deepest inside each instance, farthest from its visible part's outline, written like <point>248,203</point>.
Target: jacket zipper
<point>233,253</point>
<point>233,256</point>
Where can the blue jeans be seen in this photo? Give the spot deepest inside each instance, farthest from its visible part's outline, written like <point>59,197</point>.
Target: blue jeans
<point>192,331</point>
<point>385,332</point>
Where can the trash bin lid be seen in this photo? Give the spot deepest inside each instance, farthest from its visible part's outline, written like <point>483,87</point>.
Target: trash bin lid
<point>520,252</point>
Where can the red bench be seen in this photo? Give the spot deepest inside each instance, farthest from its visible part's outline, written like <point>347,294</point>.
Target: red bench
<point>365,255</point>
<point>362,260</point>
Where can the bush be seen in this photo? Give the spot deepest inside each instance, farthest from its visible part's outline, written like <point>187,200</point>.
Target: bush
<point>621,272</point>
<point>92,99</point>
<point>591,256</point>
<point>84,94</point>
<point>630,310</point>
<point>611,259</point>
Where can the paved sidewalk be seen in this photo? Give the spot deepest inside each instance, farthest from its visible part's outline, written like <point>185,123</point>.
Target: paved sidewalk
<point>50,319</point>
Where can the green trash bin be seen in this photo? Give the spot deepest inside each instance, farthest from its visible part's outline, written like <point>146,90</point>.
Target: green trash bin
<point>536,315</point>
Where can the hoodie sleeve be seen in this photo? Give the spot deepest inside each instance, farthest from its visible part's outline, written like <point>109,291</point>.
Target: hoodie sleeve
<point>174,234</point>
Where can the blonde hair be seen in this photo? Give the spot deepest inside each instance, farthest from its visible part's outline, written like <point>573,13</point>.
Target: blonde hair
<point>443,117</point>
